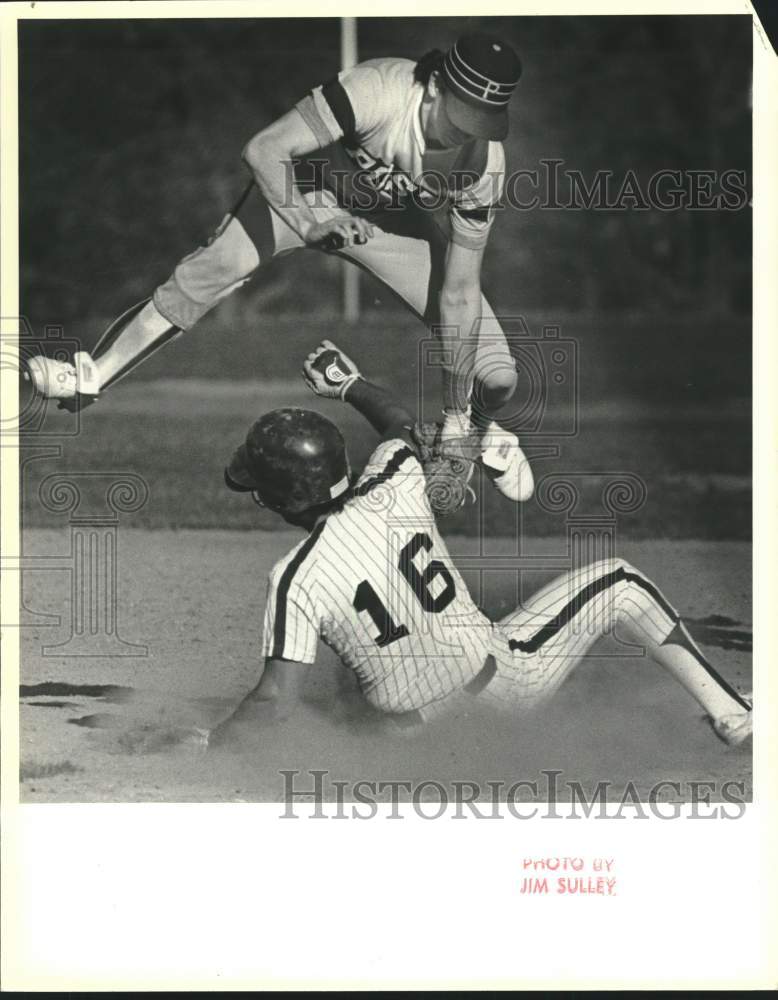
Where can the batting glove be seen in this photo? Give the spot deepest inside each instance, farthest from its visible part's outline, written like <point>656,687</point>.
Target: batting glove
<point>329,372</point>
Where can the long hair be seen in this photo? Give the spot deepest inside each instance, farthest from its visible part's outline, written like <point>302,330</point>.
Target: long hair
<point>431,62</point>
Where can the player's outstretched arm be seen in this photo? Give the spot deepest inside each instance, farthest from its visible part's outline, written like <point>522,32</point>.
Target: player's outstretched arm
<point>460,314</point>
<point>274,699</point>
<point>269,155</point>
<point>332,374</point>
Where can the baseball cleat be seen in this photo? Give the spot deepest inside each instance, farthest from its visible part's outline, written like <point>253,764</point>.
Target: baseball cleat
<point>52,379</point>
<point>736,728</point>
<point>73,385</point>
<point>506,464</point>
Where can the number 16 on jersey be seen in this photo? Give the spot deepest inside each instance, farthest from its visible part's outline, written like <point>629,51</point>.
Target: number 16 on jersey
<point>419,584</point>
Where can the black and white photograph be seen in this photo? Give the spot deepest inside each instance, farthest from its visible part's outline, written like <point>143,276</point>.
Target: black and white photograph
<point>384,434</point>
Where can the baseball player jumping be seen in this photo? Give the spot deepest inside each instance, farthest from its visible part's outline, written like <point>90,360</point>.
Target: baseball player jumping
<point>406,187</point>
<point>374,581</point>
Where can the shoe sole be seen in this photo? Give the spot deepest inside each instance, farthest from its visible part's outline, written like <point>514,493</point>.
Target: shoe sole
<point>734,737</point>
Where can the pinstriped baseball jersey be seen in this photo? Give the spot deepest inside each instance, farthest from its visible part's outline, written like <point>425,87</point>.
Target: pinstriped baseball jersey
<point>375,582</point>
<point>380,158</point>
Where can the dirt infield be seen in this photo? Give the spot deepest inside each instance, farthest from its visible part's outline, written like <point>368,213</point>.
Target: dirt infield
<point>104,727</point>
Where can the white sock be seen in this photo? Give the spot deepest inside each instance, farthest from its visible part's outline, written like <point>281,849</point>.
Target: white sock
<point>142,331</point>
<point>491,429</point>
<point>456,423</point>
<point>686,663</point>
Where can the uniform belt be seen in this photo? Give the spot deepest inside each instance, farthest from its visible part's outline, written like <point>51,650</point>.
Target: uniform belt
<point>474,687</point>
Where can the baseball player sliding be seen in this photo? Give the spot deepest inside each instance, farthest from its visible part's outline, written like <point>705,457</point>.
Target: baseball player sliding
<point>374,581</point>
<point>406,188</point>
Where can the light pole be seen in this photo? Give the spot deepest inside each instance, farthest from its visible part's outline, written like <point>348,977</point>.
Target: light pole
<point>349,58</point>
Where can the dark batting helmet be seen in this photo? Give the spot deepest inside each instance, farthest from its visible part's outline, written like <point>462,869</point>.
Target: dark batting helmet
<point>292,460</point>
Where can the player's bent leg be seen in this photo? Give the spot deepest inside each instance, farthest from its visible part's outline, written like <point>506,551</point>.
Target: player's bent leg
<point>494,382</point>
<point>203,278</point>
<point>198,283</point>
<point>408,265</point>
<point>483,361</point>
<point>494,369</point>
<point>248,236</point>
<point>538,645</point>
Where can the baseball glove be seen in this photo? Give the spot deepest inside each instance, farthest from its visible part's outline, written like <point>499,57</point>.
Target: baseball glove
<point>448,467</point>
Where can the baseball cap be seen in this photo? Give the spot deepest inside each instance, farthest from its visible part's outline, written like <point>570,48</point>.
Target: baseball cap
<point>481,73</point>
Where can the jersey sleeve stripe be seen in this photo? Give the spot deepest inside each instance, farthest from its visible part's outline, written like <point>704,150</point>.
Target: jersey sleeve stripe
<point>474,242</point>
<point>336,97</point>
<point>391,467</point>
<point>282,593</point>
<point>477,214</point>
<point>313,119</point>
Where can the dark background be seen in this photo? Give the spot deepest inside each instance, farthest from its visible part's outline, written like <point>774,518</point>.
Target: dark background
<point>130,141</point>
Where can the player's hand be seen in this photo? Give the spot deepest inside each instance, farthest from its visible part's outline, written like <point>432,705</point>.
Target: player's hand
<point>328,371</point>
<point>342,231</point>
